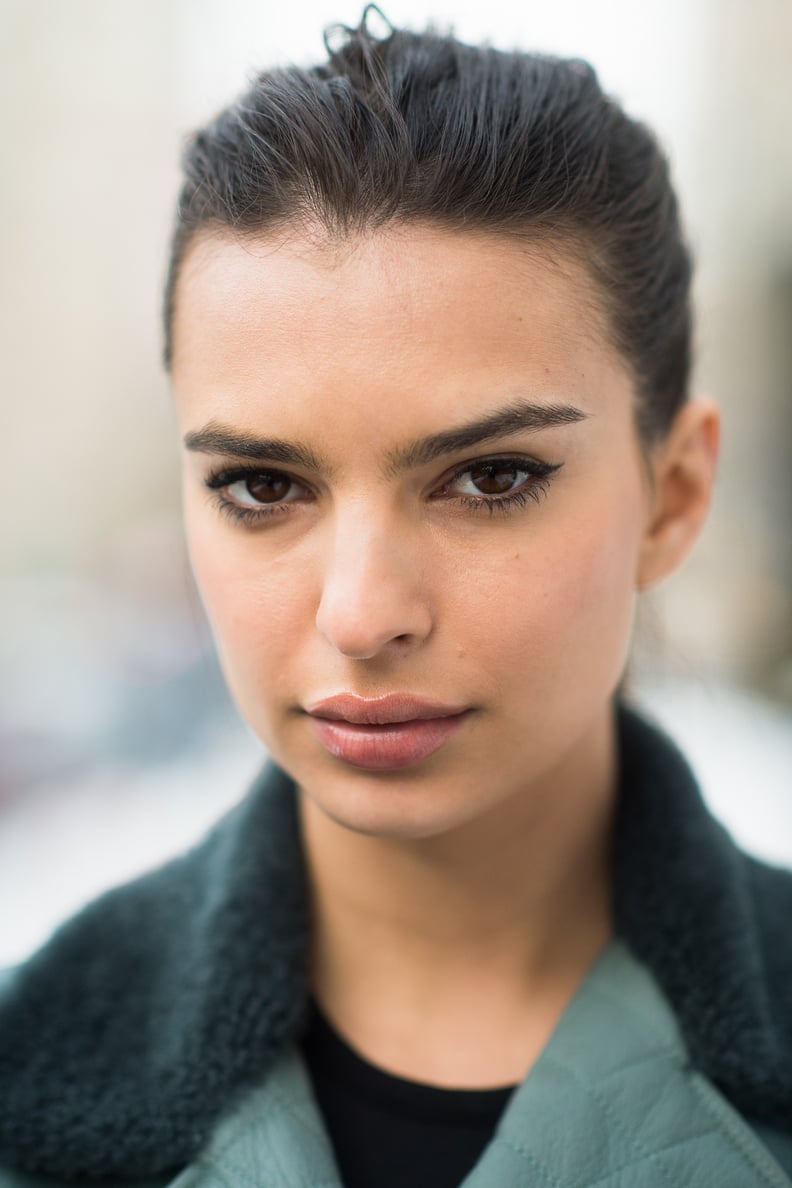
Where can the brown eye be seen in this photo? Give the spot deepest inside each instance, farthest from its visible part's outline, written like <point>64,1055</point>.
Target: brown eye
<point>494,478</point>
<point>500,483</point>
<point>260,488</point>
<point>268,488</point>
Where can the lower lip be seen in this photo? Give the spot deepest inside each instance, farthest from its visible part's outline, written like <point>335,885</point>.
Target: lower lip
<point>382,748</point>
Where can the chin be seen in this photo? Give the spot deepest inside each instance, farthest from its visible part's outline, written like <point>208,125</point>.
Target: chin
<point>388,806</point>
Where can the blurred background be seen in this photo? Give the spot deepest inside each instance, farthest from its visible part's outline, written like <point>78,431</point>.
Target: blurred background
<point>118,742</point>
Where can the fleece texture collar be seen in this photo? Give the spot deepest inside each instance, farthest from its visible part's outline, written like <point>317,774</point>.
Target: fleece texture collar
<point>124,1039</point>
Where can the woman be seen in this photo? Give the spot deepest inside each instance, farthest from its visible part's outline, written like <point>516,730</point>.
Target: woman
<point>427,322</point>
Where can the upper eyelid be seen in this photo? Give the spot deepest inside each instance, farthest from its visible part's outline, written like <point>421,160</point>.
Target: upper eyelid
<point>225,476</point>
<point>247,468</point>
<point>521,461</point>
<point>461,467</point>
<point>264,463</point>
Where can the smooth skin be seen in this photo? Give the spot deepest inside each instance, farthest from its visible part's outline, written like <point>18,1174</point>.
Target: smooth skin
<point>458,902</point>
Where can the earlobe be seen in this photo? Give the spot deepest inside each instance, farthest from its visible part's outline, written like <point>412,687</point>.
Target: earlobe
<point>683,468</point>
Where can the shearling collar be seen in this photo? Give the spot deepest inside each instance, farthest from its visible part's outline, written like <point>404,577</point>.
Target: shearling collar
<point>124,1038</point>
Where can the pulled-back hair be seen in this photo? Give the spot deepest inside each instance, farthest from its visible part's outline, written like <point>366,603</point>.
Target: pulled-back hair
<point>420,127</point>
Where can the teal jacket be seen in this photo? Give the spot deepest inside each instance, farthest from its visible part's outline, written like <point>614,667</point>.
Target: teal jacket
<point>153,1040</point>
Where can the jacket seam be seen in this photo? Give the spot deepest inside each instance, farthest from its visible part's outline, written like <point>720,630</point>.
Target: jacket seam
<point>762,1163</point>
<point>618,1125</point>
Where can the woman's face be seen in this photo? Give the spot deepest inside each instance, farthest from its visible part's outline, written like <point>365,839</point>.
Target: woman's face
<point>414,502</point>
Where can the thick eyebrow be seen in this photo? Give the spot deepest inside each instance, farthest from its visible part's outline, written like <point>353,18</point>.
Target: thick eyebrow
<point>216,438</point>
<point>520,416</point>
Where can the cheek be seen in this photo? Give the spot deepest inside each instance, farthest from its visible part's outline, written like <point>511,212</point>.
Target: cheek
<point>256,605</point>
<point>556,612</point>
<point>595,600</point>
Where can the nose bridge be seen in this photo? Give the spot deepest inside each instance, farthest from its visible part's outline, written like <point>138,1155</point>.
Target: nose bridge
<point>372,592</point>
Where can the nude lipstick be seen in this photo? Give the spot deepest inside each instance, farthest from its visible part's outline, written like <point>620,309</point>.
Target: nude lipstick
<point>384,733</point>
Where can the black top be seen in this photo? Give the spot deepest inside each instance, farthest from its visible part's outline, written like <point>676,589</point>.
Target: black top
<point>387,1131</point>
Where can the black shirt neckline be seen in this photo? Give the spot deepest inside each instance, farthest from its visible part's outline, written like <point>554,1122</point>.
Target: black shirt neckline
<point>332,1060</point>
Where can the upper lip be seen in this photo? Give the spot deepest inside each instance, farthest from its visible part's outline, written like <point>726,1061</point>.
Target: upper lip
<point>380,711</point>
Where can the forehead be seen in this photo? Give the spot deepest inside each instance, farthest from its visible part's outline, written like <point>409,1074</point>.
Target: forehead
<point>408,320</point>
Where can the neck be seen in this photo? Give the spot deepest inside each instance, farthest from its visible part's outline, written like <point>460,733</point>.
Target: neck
<point>415,943</point>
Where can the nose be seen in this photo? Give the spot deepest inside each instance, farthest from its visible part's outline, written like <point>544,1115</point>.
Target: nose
<point>373,594</point>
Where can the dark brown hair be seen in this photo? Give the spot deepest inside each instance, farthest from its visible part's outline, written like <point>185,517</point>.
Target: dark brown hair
<point>419,126</point>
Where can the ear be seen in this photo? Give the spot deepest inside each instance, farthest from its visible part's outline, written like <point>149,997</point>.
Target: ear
<point>683,470</point>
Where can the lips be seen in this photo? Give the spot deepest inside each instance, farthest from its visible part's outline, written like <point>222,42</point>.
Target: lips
<point>383,733</point>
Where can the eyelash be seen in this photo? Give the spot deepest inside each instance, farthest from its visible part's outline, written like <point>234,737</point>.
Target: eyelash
<point>535,487</point>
